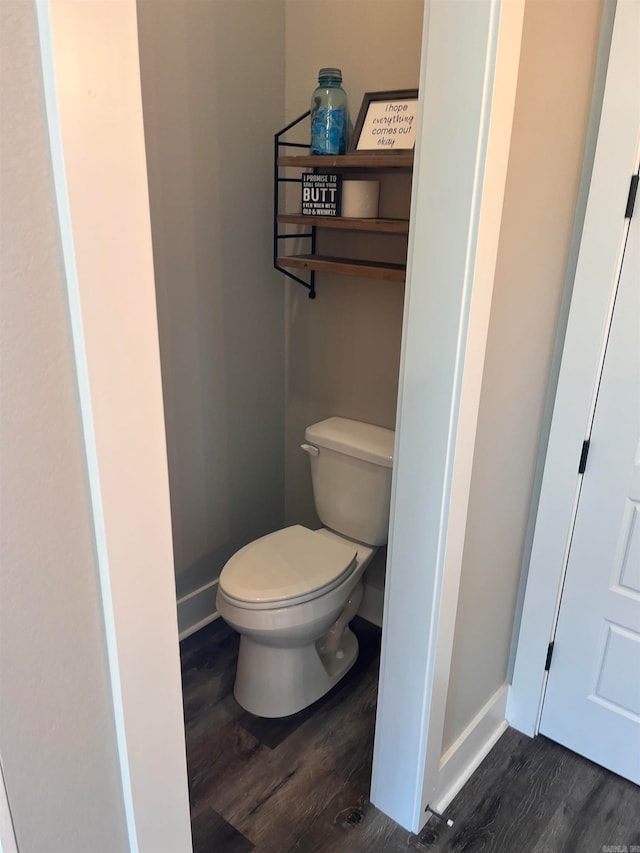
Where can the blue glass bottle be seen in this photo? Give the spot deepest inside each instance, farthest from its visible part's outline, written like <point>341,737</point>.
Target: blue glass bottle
<point>329,114</point>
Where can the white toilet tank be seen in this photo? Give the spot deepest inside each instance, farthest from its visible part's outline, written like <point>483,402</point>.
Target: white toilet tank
<point>351,474</point>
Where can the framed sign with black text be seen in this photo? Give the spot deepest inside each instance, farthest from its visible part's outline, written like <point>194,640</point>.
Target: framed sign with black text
<point>386,121</point>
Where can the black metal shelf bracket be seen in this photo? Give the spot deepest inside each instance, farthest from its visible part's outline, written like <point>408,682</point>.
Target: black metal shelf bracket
<point>277,180</point>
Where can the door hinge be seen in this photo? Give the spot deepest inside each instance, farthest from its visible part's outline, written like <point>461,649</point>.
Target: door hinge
<point>631,198</point>
<point>547,663</point>
<point>583,456</point>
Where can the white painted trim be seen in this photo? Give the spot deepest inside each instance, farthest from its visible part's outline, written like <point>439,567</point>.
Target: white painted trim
<point>94,112</point>
<point>456,211</point>
<point>615,156</point>
<point>8,843</point>
<point>464,756</point>
<point>84,393</point>
<point>501,76</point>
<point>197,609</point>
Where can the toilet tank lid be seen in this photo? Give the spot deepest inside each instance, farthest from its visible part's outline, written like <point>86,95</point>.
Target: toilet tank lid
<point>354,438</point>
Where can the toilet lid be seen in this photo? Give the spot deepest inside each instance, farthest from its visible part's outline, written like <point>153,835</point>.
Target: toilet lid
<point>286,564</point>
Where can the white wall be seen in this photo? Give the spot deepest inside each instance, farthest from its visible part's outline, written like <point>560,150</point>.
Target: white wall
<point>553,99</point>
<point>213,96</point>
<point>57,734</point>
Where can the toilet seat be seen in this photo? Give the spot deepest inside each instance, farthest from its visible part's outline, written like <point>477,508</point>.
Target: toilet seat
<point>287,567</point>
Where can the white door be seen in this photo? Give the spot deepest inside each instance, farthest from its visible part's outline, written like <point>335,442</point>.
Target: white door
<point>592,701</point>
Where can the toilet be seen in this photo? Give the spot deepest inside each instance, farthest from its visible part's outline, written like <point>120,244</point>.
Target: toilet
<point>291,594</point>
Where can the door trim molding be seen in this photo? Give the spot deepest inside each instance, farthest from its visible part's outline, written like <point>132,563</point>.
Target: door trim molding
<point>94,117</point>
<point>456,211</point>
<point>600,253</point>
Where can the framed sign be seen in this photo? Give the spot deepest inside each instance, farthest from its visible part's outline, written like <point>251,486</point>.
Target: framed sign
<point>386,121</point>
<point>321,194</point>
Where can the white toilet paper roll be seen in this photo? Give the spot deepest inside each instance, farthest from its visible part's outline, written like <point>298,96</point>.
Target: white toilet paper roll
<point>360,199</point>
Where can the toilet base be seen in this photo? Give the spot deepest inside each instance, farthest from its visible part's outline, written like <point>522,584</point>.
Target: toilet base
<point>277,682</point>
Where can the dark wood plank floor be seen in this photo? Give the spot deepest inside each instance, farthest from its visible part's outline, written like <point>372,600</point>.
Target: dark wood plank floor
<point>301,783</point>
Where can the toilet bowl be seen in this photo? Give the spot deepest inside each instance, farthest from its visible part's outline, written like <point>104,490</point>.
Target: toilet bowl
<point>288,657</point>
<point>291,594</point>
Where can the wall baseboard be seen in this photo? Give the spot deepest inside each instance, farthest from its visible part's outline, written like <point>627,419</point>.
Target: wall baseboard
<point>197,609</point>
<point>464,756</point>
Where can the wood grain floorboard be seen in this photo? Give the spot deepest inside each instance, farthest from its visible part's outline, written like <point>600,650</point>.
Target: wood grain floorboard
<point>532,795</point>
<point>374,831</point>
<point>211,833</point>
<point>302,783</point>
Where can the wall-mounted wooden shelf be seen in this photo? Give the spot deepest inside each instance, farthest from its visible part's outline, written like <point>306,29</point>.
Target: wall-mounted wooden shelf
<point>345,266</point>
<point>353,162</point>
<point>341,223</point>
<point>312,263</point>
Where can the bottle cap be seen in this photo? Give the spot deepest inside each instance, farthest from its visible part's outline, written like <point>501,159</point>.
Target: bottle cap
<point>330,72</point>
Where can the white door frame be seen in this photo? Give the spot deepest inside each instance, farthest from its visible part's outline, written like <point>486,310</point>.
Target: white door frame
<point>91,74</point>
<point>456,213</point>
<point>591,305</point>
<point>103,206</point>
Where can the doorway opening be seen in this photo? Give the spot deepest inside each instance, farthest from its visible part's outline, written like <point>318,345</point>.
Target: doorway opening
<point>248,361</point>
